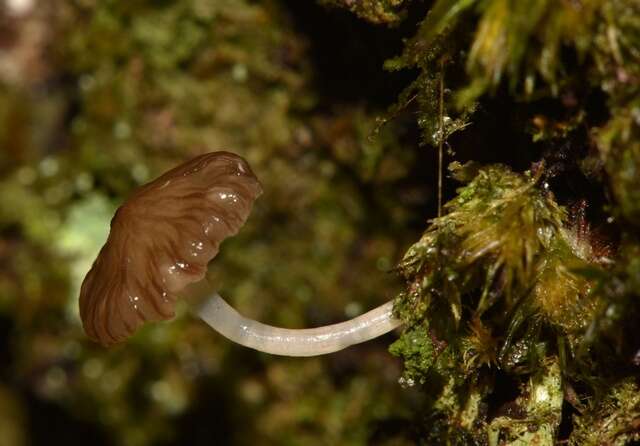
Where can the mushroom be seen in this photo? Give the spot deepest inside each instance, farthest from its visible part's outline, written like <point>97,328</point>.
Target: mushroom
<point>159,245</point>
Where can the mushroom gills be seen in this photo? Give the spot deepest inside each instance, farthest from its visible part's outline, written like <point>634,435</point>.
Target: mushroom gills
<point>223,318</point>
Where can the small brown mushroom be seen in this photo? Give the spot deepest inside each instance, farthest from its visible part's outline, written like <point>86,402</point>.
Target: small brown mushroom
<point>162,239</point>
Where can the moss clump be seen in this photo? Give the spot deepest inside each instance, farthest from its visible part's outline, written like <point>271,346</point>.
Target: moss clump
<point>508,282</point>
<point>417,349</point>
<point>612,420</point>
<point>374,11</point>
<point>534,416</point>
<point>495,286</point>
<point>620,147</point>
<point>617,68</point>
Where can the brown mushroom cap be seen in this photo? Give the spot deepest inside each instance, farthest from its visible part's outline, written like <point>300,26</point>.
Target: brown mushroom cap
<point>162,239</point>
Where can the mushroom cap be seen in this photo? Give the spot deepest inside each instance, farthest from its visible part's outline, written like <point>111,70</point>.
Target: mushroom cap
<point>161,240</point>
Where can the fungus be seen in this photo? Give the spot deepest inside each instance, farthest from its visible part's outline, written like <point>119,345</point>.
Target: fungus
<point>159,245</point>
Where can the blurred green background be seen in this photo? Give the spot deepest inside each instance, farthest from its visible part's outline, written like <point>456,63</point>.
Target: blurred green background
<point>100,96</point>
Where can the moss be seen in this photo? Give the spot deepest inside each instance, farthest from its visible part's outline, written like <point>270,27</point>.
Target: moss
<point>621,151</point>
<point>520,42</point>
<point>493,284</point>
<point>524,293</point>
<point>530,288</point>
<point>612,331</point>
<point>616,64</point>
<point>506,280</point>
<point>375,11</point>
<point>540,403</point>
<point>419,354</point>
<point>476,245</point>
<point>523,40</point>
<point>611,420</point>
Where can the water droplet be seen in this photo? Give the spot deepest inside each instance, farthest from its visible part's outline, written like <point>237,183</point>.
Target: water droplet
<point>406,382</point>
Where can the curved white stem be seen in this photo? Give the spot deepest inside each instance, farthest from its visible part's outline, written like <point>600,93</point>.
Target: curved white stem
<point>290,342</point>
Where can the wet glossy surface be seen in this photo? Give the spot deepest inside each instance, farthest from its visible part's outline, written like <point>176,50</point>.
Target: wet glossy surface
<point>161,240</point>
<point>295,342</point>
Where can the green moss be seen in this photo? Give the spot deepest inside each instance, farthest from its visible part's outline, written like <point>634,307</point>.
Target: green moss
<point>374,11</point>
<point>611,420</point>
<point>520,42</point>
<point>494,284</point>
<point>494,231</point>
<point>536,413</point>
<point>616,64</point>
<point>517,298</point>
<point>621,151</point>
<point>612,332</point>
<point>418,352</point>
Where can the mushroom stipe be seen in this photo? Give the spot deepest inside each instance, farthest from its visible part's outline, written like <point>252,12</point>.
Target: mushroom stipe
<point>162,239</point>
